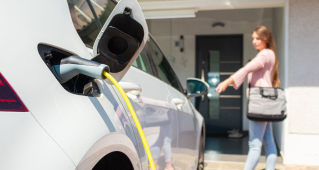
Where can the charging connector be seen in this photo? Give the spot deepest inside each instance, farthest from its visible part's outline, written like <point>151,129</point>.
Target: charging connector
<point>74,65</point>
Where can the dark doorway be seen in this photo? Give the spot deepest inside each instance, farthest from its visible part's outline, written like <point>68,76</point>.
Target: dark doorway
<point>218,57</point>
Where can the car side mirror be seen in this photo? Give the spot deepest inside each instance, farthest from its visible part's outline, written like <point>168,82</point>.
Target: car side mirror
<point>196,87</point>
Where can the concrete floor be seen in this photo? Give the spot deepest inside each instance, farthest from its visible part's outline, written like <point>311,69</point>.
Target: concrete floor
<point>219,165</point>
<point>222,148</point>
<point>223,153</point>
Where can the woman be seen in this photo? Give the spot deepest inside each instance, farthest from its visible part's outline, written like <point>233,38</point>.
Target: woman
<point>262,71</point>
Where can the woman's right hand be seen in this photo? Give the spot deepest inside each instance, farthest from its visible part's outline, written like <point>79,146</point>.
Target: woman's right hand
<point>223,85</point>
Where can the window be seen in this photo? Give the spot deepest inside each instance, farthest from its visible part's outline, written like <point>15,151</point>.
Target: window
<point>164,70</point>
<point>142,63</point>
<point>83,18</point>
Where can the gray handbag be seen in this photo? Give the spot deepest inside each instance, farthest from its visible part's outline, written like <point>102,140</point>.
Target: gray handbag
<point>266,104</point>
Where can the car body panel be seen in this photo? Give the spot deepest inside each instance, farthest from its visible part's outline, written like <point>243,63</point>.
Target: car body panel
<point>74,122</point>
<point>37,150</point>
<point>76,130</point>
<point>200,129</point>
<point>152,102</point>
<point>111,142</point>
<point>186,131</point>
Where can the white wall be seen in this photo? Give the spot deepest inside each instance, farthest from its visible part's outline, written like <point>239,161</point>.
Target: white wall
<point>238,21</point>
<point>301,129</point>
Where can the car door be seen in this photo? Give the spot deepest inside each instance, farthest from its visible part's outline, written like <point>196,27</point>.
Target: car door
<point>75,120</point>
<point>185,117</point>
<point>117,45</point>
<point>150,99</point>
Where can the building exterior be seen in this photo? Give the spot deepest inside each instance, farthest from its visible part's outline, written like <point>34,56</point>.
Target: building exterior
<point>177,26</point>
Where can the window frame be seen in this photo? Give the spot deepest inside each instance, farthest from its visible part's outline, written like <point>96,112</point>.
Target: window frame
<point>97,20</point>
<point>146,62</point>
<point>156,74</point>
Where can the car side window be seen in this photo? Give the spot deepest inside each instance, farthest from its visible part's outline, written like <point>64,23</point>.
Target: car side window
<point>164,70</point>
<point>142,63</point>
<point>83,18</point>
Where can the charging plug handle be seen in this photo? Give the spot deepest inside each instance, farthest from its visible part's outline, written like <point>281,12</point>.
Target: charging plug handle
<point>74,65</point>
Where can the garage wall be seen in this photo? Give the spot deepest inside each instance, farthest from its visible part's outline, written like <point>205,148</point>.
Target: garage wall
<point>238,21</point>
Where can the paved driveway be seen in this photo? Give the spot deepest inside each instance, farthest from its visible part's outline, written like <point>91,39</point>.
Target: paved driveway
<point>219,165</point>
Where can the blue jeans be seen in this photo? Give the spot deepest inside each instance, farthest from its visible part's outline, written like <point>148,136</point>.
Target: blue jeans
<point>261,133</point>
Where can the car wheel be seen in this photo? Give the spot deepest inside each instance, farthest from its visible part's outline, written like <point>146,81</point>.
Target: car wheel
<point>200,165</point>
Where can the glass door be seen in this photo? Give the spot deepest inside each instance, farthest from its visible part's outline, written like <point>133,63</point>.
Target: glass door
<point>217,58</point>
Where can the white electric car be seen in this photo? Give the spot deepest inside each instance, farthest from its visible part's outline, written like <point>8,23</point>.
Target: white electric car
<point>83,123</point>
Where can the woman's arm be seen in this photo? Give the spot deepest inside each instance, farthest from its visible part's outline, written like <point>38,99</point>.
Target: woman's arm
<point>239,77</point>
<point>223,85</point>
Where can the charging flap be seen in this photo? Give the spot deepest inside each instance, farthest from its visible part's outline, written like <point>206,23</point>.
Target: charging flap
<point>122,38</point>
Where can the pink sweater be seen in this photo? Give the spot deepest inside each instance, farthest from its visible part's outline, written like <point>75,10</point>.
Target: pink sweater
<point>259,70</point>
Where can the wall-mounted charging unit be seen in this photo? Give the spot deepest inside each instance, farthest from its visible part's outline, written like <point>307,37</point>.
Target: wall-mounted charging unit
<point>180,43</point>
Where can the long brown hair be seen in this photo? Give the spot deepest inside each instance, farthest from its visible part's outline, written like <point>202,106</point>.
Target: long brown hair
<point>266,35</point>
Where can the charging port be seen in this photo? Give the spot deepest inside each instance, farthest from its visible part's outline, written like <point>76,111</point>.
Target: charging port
<point>80,84</point>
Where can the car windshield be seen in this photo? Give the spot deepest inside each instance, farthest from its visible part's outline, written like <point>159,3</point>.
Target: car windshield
<point>83,17</point>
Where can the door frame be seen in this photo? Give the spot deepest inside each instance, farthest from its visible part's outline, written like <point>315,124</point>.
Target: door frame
<point>197,62</point>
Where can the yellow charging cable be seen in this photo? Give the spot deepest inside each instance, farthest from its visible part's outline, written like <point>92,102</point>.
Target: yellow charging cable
<point>136,121</point>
